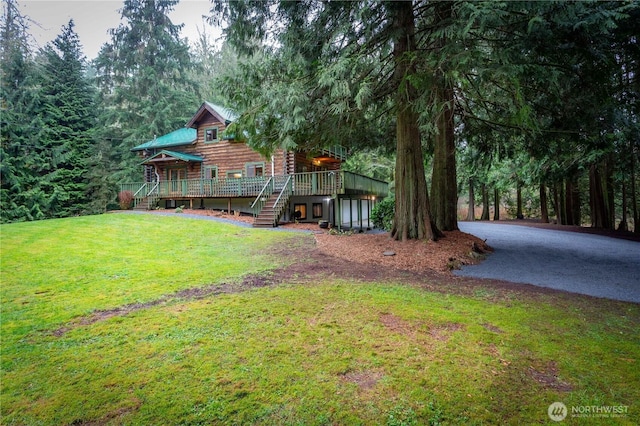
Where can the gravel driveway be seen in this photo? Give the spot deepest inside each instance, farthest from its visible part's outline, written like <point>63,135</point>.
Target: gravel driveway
<point>579,263</point>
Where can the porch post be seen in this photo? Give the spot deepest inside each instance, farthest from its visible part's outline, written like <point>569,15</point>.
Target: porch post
<point>339,213</point>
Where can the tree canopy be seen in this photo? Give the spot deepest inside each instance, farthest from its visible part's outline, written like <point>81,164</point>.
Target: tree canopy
<point>536,99</point>
<point>144,78</point>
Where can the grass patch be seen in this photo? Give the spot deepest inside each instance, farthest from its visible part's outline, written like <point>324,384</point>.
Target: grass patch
<point>56,270</point>
<point>334,352</point>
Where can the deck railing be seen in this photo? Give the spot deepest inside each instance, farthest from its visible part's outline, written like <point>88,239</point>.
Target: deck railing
<point>360,184</point>
<point>218,187</point>
<point>303,184</point>
<point>336,151</point>
<point>317,183</point>
<point>133,187</point>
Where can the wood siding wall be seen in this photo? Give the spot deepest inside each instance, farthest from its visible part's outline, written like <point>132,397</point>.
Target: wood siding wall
<point>232,155</point>
<point>226,155</point>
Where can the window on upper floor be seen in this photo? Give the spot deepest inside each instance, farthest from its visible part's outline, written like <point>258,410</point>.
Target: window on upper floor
<point>234,174</point>
<point>210,172</point>
<point>211,134</point>
<point>255,169</point>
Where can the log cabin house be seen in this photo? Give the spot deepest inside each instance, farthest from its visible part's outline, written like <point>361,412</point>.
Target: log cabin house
<point>201,166</point>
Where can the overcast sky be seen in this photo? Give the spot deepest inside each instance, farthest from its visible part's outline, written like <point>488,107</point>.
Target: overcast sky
<point>93,18</point>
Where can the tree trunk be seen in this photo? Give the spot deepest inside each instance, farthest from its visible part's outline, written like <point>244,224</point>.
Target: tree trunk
<point>576,202</point>
<point>471,214</point>
<point>634,200</point>
<point>562,204</point>
<point>572,201</point>
<point>568,207</point>
<point>544,207</point>
<point>519,214</point>
<point>623,222</point>
<point>597,201</point>
<point>610,191</point>
<point>485,203</point>
<point>556,204</point>
<point>496,203</point>
<point>444,189</point>
<point>412,212</point>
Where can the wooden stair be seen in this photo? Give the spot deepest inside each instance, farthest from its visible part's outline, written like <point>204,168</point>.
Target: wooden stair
<point>142,205</point>
<point>267,216</point>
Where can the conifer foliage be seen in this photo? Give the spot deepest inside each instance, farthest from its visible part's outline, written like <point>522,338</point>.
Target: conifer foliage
<point>144,80</point>
<point>67,120</point>
<point>19,194</point>
<point>47,125</point>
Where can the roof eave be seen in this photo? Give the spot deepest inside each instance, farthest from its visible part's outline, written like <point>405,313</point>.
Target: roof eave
<point>179,156</point>
<point>204,107</point>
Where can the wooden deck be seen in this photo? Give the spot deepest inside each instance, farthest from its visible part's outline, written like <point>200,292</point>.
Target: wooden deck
<point>328,183</point>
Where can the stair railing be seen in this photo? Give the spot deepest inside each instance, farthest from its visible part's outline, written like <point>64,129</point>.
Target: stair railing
<point>156,185</point>
<point>262,197</point>
<point>144,185</point>
<point>136,198</point>
<point>282,200</point>
<point>153,191</point>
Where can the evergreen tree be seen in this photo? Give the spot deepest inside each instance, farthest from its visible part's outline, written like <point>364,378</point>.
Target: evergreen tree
<point>143,76</point>
<point>67,114</point>
<point>342,72</point>
<point>209,63</point>
<point>20,195</point>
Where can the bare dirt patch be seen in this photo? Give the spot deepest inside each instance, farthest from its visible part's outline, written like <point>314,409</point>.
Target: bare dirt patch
<point>220,214</point>
<point>548,378</point>
<point>364,379</point>
<point>397,325</point>
<point>442,332</point>
<point>194,293</point>
<point>492,328</point>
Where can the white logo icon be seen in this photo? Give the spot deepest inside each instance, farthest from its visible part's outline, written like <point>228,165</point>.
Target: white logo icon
<point>557,411</point>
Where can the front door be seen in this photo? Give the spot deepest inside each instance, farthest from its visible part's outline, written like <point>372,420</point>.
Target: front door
<point>176,176</point>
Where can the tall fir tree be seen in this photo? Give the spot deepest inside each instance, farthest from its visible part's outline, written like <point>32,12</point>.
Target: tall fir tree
<point>67,114</point>
<point>20,195</point>
<point>145,83</point>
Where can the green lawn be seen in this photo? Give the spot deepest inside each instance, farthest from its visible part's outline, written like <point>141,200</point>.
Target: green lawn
<point>329,352</point>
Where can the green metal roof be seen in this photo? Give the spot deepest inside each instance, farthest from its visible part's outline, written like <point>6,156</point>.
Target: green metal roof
<point>177,155</point>
<point>228,115</point>
<point>184,136</point>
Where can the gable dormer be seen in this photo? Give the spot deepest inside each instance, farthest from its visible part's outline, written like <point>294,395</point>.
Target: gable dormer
<point>211,121</point>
